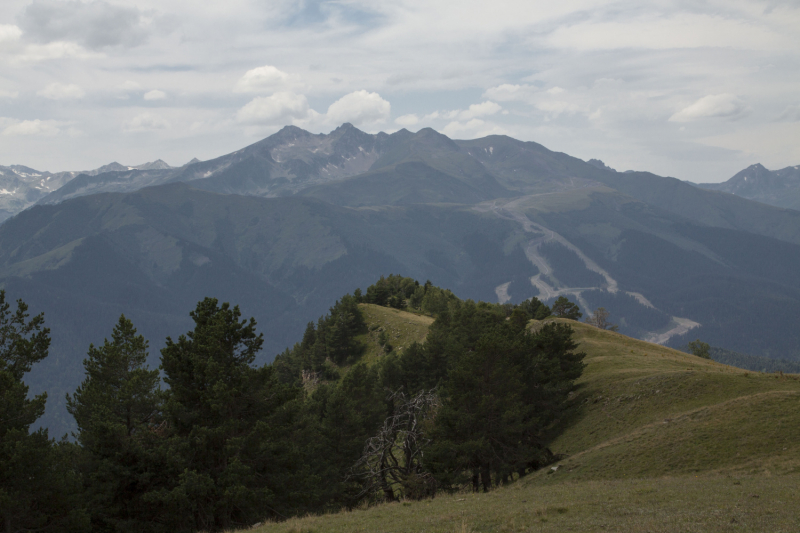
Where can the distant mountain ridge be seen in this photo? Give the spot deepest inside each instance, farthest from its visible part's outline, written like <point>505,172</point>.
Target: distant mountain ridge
<point>21,186</point>
<point>780,188</point>
<point>287,224</point>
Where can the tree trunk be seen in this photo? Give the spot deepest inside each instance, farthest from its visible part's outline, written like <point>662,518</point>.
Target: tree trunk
<point>7,521</point>
<point>486,479</point>
<point>474,481</point>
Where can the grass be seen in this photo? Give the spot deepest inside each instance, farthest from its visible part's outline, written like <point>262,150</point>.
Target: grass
<point>401,328</point>
<point>657,441</point>
<point>641,409</point>
<point>670,504</point>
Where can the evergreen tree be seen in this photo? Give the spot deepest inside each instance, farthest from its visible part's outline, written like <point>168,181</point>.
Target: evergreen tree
<point>563,308</point>
<point>116,409</point>
<point>230,431</point>
<point>39,490</point>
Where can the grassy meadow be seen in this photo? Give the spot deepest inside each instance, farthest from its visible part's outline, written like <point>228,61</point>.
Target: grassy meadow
<point>658,441</point>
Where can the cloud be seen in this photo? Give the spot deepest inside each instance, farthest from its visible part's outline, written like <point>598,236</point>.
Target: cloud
<point>508,92</point>
<point>263,79</point>
<point>46,128</point>
<point>479,110</point>
<point>62,91</point>
<point>407,120</point>
<point>791,114</point>
<point>146,121</point>
<point>277,109</point>
<point>8,94</point>
<point>129,85</point>
<point>359,107</point>
<point>712,106</point>
<point>660,32</point>
<point>472,129</point>
<point>155,94</point>
<point>94,25</point>
<point>9,34</point>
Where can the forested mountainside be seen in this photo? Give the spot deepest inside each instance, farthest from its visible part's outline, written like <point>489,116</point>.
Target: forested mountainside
<point>399,392</point>
<point>285,225</point>
<point>230,442</point>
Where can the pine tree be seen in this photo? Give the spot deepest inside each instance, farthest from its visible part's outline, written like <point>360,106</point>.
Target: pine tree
<point>38,488</point>
<point>116,408</point>
<point>230,426</point>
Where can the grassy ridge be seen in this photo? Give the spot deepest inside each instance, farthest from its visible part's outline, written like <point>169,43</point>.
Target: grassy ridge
<point>646,410</point>
<point>401,328</point>
<point>658,441</point>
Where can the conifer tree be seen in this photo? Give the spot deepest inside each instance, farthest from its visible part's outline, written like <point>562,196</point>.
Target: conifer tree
<point>230,443</point>
<point>38,488</point>
<point>116,409</point>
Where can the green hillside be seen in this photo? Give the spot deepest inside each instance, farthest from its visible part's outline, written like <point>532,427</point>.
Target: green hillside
<point>401,328</point>
<point>658,441</point>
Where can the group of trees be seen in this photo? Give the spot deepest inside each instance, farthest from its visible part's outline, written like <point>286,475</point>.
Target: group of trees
<point>224,444</point>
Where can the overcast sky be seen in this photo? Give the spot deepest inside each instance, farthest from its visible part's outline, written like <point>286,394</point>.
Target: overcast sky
<point>692,89</point>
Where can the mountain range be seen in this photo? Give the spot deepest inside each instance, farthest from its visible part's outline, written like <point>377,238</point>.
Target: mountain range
<point>774,187</point>
<point>286,225</point>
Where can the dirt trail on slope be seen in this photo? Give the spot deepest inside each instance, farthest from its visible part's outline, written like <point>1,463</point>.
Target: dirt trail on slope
<point>512,210</point>
<point>684,325</point>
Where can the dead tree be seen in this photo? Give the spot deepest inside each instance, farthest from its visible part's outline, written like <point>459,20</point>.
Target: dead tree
<point>599,319</point>
<point>392,461</point>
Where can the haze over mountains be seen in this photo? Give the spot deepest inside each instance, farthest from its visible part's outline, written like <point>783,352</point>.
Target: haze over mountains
<point>285,226</point>
<point>774,187</point>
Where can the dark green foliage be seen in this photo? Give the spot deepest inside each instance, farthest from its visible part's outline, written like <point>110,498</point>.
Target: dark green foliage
<point>503,388</point>
<point>228,423</point>
<point>332,340</point>
<point>39,488</point>
<point>700,349</point>
<point>391,291</point>
<point>563,308</point>
<point>117,410</point>
<point>535,309</point>
<point>346,414</point>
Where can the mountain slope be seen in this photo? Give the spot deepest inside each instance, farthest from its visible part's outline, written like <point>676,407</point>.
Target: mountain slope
<point>152,254</point>
<point>658,440</point>
<point>780,188</point>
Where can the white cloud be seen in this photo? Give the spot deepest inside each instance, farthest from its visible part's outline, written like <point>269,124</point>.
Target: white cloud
<point>8,94</point>
<point>95,25</point>
<point>147,121</point>
<point>508,92</point>
<point>263,79</point>
<point>712,106</point>
<point>56,50</point>
<point>62,91</point>
<point>46,128</point>
<point>129,85</point>
<point>155,94</point>
<point>791,113</point>
<point>407,120</point>
<point>479,110</point>
<point>662,32</point>
<point>360,108</point>
<point>9,34</point>
<point>277,109</point>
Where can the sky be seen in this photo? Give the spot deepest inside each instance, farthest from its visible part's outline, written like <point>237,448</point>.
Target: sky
<point>695,89</point>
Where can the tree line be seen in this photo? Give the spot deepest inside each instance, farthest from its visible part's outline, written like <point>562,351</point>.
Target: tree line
<point>210,442</point>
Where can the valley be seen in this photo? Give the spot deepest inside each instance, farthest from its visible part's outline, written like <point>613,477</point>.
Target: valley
<point>287,224</point>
